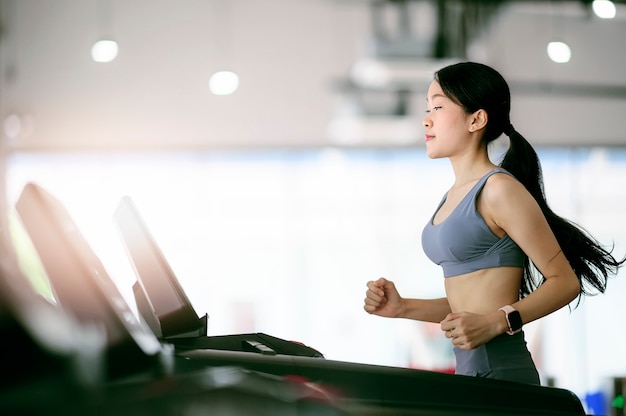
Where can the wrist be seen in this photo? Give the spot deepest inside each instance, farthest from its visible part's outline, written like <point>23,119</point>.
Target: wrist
<point>498,323</point>
<point>512,318</point>
<point>401,309</point>
<point>502,324</point>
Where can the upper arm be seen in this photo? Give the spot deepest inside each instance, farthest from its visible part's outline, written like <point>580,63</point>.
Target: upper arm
<point>511,208</point>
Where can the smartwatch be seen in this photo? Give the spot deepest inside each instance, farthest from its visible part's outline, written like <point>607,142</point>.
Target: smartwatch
<point>513,319</point>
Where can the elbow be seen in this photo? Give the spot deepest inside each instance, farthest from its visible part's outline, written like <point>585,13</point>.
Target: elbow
<point>573,288</point>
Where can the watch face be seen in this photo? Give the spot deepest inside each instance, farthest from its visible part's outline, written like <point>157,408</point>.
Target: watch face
<point>515,320</point>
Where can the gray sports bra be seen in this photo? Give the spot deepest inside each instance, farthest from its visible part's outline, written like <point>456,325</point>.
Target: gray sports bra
<point>463,242</point>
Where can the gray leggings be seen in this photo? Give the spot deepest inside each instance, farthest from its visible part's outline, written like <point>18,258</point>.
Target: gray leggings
<point>505,357</point>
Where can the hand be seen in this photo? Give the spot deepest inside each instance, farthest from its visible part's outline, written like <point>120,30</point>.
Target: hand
<point>382,299</point>
<point>469,330</point>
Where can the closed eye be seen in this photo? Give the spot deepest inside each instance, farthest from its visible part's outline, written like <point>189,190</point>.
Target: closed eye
<point>434,108</point>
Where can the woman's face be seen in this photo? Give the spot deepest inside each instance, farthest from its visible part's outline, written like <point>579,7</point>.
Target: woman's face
<point>446,125</point>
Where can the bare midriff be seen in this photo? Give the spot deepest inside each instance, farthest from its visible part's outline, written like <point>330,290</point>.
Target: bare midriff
<point>483,291</point>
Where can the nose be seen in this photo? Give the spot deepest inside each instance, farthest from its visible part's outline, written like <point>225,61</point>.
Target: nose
<point>426,121</point>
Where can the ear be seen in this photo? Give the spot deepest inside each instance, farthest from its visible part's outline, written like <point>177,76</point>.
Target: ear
<point>478,120</point>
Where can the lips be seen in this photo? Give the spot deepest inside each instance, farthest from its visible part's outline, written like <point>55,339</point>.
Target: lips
<point>429,137</point>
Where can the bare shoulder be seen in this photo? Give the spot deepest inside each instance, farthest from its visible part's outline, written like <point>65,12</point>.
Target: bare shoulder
<point>507,203</point>
<point>503,188</point>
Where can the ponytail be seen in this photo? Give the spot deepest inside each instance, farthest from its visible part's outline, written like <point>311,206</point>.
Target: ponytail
<point>477,86</point>
<point>591,262</point>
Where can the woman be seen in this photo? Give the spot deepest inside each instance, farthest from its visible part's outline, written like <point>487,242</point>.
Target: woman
<point>490,228</point>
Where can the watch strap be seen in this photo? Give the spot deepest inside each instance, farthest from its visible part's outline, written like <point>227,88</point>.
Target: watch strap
<point>508,309</point>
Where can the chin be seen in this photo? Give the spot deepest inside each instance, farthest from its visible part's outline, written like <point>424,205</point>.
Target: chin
<point>433,155</point>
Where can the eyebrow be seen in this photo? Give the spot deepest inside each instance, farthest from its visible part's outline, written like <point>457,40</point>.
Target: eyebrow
<point>435,96</point>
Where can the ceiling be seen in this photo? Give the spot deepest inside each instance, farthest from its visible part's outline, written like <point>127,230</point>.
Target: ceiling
<point>294,59</point>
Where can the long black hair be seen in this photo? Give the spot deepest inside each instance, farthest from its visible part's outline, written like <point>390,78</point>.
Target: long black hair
<point>477,86</point>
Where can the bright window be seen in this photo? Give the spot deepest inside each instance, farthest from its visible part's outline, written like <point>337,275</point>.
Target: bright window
<point>283,242</point>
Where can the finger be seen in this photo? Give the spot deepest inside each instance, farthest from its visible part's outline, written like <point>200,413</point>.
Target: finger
<point>451,317</point>
<point>374,296</point>
<point>461,344</point>
<point>374,287</point>
<point>370,308</point>
<point>381,281</point>
<point>372,302</point>
<point>377,283</point>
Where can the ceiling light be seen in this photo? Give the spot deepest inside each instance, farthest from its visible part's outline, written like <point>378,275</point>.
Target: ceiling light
<point>104,50</point>
<point>604,9</point>
<point>224,83</point>
<point>559,52</point>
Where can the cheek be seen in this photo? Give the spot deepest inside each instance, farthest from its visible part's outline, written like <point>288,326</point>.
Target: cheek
<point>455,133</point>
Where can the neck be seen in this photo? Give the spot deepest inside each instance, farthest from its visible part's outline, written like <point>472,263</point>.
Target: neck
<point>468,168</point>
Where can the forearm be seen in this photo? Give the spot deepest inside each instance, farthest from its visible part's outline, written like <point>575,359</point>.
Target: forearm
<point>426,310</point>
<point>552,295</point>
